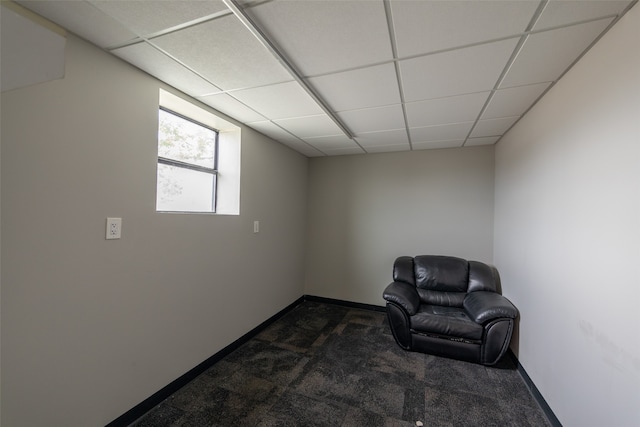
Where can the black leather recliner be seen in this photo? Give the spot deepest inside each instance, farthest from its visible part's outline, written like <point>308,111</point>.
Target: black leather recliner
<point>449,307</point>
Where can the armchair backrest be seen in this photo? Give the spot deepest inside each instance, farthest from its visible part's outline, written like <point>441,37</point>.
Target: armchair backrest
<point>444,280</point>
<point>441,273</point>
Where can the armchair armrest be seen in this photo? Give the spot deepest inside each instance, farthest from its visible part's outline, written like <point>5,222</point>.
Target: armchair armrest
<point>404,295</point>
<point>482,306</point>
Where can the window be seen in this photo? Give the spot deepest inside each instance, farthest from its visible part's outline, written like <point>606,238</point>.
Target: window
<point>198,165</point>
<point>187,164</point>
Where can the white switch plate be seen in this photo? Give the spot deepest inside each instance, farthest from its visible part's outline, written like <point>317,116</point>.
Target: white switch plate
<point>114,228</point>
<point>256,226</point>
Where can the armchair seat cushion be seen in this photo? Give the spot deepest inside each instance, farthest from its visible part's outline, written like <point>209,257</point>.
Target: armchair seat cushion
<point>443,321</point>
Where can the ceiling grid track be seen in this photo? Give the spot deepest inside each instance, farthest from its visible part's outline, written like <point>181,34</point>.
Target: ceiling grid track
<point>527,32</point>
<point>239,12</point>
<point>337,78</point>
<point>396,64</point>
<point>514,55</point>
<point>615,20</point>
<point>221,91</point>
<point>147,37</point>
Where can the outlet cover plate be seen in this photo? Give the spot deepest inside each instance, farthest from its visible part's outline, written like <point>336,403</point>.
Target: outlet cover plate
<point>114,228</point>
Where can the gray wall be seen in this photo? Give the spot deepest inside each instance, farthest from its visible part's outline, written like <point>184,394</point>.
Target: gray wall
<point>366,210</point>
<point>92,327</point>
<point>567,234</point>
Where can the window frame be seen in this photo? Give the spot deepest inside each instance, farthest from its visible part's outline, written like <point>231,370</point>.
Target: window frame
<point>191,166</point>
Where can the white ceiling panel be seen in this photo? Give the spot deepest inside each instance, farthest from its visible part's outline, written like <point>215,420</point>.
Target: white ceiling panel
<point>388,148</point>
<point>489,140</point>
<point>274,131</point>
<point>234,58</point>
<point>83,19</point>
<point>232,107</point>
<point>343,151</point>
<point>428,26</point>
<point>449,59</point>
<point>159,65</point>
<point>304,148</point>
<point>324,36</point>
<point>473,69</point>
<point>493,127</point>
<point>454,109</point>
<point>280,101</point>
<point>334,145</point>
<point>431,145</point>
<point>563,12</point>
<point>545,56</point>
<point>150,16</point>
<point>513,101</point>
<point>310,126</point>
<point>278,134</point>
<point>384,138</point>
<point>366,87</point>
<point>374,119</point>
<point>454,131</point>
<point>331,141</point>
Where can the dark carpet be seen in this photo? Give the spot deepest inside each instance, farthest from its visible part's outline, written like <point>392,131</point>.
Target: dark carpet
<point>328,365</point>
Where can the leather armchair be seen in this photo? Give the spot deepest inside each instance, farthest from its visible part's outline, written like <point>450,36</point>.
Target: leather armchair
<point>449,307</point>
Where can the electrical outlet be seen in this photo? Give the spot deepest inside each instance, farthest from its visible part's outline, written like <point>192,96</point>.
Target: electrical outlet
<point>114,228</point>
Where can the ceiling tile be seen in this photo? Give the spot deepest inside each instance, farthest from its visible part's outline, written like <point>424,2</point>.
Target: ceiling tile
<point>562,12</point>
<point>159,65</point>
<point>344,49</point>
<point>373,119</point>
<point>366,87</point>
<point>493,127</point>
<point>489,140</point>
<point>344,151</point>
<point>232,107</point>
<point>326,36</point>
<point>234,60</point>
<point>455,131</point>
<point>304,148</point>
<point>545,56</point>
<point>279,101</point>
<point>151,16</point>
<point>388,148</point>
<point>334,144</point>
<point>513,101</point>
<point>473,69</point>
<point>454,109</point>
<point>310,126</point>
<point>331,141</point>
<point>384,138</point>
<point>84,19</point>
<point>428,26</point>
<point>274,131</point>
<point>438,144</point>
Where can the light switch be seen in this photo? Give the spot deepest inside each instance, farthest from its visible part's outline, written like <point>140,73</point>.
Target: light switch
<point>256,226</point>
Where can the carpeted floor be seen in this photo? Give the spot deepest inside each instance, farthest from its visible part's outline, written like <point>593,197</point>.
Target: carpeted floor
<point>328,365</point>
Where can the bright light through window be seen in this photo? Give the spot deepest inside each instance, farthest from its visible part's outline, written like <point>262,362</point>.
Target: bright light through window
<point>187,164</point>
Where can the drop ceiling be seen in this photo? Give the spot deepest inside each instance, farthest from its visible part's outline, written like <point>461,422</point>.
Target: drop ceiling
<point>344,77</point>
